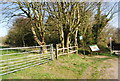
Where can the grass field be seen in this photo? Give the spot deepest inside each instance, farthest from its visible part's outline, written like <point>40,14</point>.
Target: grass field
<point>67,67</point>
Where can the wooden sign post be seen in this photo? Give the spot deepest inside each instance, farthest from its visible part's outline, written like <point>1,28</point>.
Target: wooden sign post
<point>110,44</point>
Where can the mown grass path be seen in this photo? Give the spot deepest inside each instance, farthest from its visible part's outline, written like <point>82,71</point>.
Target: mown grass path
<point>72,67</point>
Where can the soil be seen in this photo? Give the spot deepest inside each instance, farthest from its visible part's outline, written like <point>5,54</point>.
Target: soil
<point>111,72</point>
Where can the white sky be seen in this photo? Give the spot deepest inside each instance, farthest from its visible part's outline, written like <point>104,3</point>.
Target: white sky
<point>114,21</point>
<point>3,30</point>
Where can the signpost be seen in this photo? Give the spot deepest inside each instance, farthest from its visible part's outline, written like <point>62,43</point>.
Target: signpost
<point>110,44</point>
<point>81,37</point>
<point>94,48</point>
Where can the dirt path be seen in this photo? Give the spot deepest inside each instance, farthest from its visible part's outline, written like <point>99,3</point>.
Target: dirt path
<point>109,68</point>
<point>112,71</point>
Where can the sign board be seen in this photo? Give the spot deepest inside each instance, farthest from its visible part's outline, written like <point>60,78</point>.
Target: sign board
<point>94,48</point>
<point>110,38</point>
<point>81,37</point>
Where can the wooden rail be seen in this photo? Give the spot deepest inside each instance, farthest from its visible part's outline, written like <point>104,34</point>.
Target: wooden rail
<point>65,51</point>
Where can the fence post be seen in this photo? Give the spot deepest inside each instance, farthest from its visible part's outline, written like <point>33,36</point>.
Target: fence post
<point>76,49</point>
<point>51,50</point>
<point>56,51</point>
<point>63,50</point>
<point>67,51</point>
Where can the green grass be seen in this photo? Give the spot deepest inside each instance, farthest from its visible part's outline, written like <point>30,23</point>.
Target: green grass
<point>4,46</point>
<point>12,51</point>
<point>24,61</point>
<point>104,51</point>
<point>66,67</point>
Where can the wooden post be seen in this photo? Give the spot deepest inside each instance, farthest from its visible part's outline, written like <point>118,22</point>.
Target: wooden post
<point>91,53</point>
<point>70,48</point>
<point>51,50</point>
<point>111,45</point>
<point>68,51</point>
<point>76,49</point>
<point>63,50</point>
<point>56,53</point>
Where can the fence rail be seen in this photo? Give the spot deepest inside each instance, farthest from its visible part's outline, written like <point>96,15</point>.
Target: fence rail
<point>15,59</point>
<point>24,47</point>
<point>19,58</point>
<point>65,51</point>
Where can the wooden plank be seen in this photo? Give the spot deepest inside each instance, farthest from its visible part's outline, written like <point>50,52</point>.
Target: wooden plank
<point>51,50</point>
<point>60,49</point>
<point>56,51</point>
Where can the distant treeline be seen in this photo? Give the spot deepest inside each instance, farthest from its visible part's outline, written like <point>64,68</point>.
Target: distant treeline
<point>20,34</point>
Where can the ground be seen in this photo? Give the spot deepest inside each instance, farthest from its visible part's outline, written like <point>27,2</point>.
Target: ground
<point>72,67</point>
<point>112,71</point>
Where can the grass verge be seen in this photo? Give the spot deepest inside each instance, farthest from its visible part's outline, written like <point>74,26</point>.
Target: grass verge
<point>66,67</point>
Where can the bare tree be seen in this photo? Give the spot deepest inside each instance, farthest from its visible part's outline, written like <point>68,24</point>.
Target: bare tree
<point>34,11</point>
<point>68,18</point>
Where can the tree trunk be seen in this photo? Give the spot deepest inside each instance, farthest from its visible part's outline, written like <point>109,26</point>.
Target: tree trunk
<point>76,32</point>
<point>42,38</point>
<point>68,41</point>
<point>23,41</point>
<point>62,38</point>
<point>35,36</point>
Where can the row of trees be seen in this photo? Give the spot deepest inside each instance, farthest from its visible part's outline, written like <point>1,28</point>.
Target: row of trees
<point>67,20</point>
<point>20,34</point>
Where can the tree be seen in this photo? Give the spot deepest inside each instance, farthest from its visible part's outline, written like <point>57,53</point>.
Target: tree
<point>116,35</point>
<point>86,22</point>
<point>101,20</point>
<point>20,34</point>
<point>68,18</point>
<point>34,11</point>
<point>52,34</point>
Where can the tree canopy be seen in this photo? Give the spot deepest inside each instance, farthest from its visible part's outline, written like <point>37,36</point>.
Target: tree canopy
<point>67,20</point>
